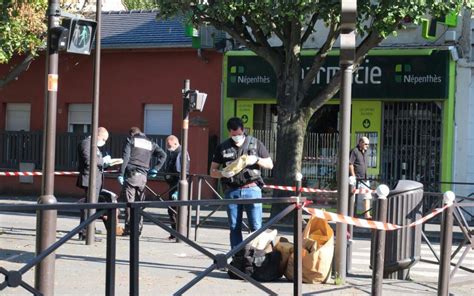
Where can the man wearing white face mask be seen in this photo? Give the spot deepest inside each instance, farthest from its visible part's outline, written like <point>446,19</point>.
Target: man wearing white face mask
<point>84,160</point>
<point>85,169</point>
<point>244,180</point>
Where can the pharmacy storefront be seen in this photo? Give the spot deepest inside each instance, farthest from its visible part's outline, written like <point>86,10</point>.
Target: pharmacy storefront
<point>403,100</point>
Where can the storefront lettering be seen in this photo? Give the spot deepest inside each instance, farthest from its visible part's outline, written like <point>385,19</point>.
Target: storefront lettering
<point>253,79</point>
<point>422,79</point>
<point>364,75</point>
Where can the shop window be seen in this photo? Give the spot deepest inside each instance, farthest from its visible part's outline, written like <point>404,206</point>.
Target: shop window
<point>158,119</point>
<point>373,146</point>
<point>79,118</point>
<point>18,117</point>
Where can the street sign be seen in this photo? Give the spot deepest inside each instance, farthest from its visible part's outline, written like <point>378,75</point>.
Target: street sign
<point>81,35</point>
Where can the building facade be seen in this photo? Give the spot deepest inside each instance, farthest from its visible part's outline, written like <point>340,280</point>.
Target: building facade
<point>144,63</point>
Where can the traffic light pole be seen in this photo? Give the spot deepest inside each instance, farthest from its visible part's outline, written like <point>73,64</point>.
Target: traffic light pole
<point>46,220</point>
<point>183,180</point>
<point>92,192</point>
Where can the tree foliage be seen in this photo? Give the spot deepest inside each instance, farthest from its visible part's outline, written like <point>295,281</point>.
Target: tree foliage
<point>23,27</point>
<point>140,4</point>
<point>256,24</point>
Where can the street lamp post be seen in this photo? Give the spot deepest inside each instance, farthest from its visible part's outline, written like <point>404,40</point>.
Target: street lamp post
<point>346,61</point>
<point>183,181</point>
<point>46,220</point>
<point>92,192</point>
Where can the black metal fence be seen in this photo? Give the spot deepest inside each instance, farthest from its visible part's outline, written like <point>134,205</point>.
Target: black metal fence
<point>14,278</point>
<point>27,147</point>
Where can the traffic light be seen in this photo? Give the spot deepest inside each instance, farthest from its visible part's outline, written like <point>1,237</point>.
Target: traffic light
<point>197,100</point>
<point>58,37</point>
<point>81,35</point>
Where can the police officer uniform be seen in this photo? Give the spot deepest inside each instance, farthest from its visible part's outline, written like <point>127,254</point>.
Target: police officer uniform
<point>137,153</point>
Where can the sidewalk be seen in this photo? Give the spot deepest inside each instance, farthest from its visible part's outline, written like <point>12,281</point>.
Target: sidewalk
<point>167,266</point>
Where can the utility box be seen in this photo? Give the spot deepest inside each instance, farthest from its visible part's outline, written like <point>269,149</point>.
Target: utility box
<point>403,246</point>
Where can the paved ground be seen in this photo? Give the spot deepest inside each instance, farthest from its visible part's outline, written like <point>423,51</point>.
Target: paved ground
<point>166,266</point>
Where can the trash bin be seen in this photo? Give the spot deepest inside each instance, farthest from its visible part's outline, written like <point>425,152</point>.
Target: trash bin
<point>403,246</point>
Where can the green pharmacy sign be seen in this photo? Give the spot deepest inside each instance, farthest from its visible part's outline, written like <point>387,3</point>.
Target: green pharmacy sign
<point>378,77</point>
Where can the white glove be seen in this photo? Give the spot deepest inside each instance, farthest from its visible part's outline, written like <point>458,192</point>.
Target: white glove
<point>251,160</point>
<point>352,180</point>
<point>107,159</point>
<point>226,174</point>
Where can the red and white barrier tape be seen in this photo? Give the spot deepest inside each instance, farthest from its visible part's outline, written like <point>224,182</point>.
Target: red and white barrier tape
<point>369,223</point>
<point>315,190</point>
<point>59,173</point>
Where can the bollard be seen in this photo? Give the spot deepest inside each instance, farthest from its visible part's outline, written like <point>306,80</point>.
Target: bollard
<point>446,243</point>
<point>379,238</point>
<point>351,212</point>
<point>298,240</point>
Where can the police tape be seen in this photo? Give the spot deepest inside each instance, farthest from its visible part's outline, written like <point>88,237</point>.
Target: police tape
<point>315,190</point>
<point>29,174</point>
<point>369,223</point>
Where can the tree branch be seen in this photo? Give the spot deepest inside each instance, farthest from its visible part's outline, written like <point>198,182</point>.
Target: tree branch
<point>321,56</point>
<point>17,70</point>
<point>241,34</point>
<point>310,28</point>
<point>257,32</point>
<point>372,40</point>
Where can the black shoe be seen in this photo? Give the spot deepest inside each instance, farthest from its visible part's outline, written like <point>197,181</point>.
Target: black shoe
<point>82,237</point>
<point>171,237</point>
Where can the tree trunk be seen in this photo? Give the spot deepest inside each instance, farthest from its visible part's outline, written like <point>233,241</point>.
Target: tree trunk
<point>291,134</point>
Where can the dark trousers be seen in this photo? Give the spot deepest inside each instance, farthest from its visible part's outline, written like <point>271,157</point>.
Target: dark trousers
<point>172,210</point>
<point>133,189</point>
<point>104,196</point>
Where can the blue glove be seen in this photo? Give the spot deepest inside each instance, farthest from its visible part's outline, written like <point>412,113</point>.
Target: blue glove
<point>152,173</point>
<point>174,196</point>
<point>120,180</point>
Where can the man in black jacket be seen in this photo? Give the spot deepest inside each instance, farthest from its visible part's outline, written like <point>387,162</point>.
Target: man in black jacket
<point>137,153</point>
<point>173,167</point>
<point>84,169</point>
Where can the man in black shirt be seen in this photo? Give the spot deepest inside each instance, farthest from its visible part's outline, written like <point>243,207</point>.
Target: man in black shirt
<point>358,169</point>
<point>243,181</point>
<point>137,154</point>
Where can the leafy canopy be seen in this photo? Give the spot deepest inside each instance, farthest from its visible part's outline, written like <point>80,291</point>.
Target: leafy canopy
<point>254,22</point>
<point>22,27</point>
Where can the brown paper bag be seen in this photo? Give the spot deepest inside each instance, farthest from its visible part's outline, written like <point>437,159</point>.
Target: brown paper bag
<point>317,253</point>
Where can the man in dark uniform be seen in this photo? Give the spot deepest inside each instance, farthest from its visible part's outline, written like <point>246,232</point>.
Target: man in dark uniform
<point>173,167</point>
<point>245,181</point>
<point>358,169</point>
<point>137,154</point>
<point>84,169</point>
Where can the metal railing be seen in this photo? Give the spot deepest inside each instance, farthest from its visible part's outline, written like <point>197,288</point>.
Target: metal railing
<point>18,147</point>
<point>14,278</point>
<point>319,156</point>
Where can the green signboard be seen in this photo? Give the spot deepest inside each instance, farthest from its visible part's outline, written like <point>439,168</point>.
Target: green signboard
<point>378,77</point>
